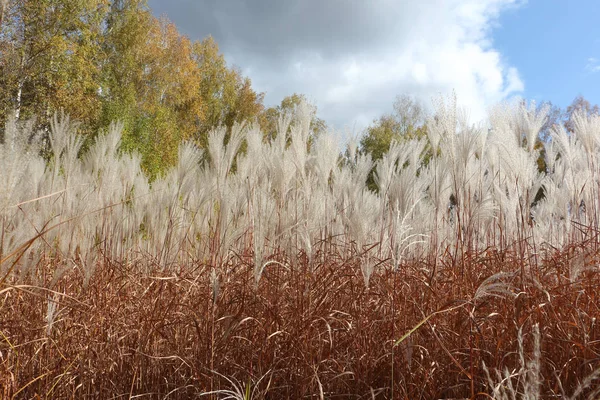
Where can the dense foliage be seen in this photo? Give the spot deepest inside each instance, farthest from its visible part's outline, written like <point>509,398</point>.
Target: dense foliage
<point>111,60</point>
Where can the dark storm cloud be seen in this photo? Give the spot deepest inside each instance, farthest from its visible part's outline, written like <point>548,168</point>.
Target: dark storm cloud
<point>278,29</point>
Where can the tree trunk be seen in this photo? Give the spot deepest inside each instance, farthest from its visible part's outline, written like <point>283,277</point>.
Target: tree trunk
<point>21,82</point>
<point>3,4</point>
<point>18,102</point>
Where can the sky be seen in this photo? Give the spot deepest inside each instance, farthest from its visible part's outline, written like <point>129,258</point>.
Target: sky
<point>351,58</point>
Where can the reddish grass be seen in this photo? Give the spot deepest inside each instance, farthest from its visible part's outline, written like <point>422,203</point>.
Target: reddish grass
<point>306,333</point>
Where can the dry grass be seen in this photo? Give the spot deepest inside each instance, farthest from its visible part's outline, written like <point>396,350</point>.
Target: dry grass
<point>288,279</point>
<point>304,333</point>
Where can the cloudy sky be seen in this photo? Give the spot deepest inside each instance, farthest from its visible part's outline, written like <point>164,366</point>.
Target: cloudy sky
<point>351,58</point>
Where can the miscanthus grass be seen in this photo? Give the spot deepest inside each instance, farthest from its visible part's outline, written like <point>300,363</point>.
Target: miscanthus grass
<point>275,272</point>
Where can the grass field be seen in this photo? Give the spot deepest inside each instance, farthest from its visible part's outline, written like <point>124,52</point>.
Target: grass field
<point>276,273</point>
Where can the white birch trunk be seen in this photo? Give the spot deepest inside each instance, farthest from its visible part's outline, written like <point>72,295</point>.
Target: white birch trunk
<point>18,105</point>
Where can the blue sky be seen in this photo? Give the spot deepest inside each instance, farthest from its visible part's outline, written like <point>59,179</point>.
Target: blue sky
<point>351,58</point>
<point>555,46</point>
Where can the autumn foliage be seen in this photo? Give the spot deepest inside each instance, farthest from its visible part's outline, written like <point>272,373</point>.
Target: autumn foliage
<point>101,61</point>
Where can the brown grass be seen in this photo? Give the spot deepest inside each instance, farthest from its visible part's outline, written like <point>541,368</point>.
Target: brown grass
<point>303,333</point>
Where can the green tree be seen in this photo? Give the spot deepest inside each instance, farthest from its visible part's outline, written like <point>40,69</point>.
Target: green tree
<point>152,83</point>
<point>405,123</point>
<point>289,105</point>
<point>50,58</point>
<point>127,27</point>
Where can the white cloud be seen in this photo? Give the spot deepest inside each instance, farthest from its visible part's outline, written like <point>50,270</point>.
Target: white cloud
<point>593,65</point>
<point>352,57</point>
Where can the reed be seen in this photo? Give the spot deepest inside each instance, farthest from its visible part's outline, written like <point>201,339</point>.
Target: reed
<point>275,272</point>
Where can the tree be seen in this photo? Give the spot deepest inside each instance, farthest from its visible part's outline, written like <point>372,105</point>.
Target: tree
<point>247,103</point>
<point>127,27</point>
<point>170,96</point>
<point>152,84</point>
<point>579,104</point>
<point>3,6</point>
<point>228,98</point>
<point>101,61</point>
<point>50,53</point>
<point>289,105</point>
<point>405,123</point>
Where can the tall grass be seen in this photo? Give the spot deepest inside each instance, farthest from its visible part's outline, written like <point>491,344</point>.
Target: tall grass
<point>277,272</point>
